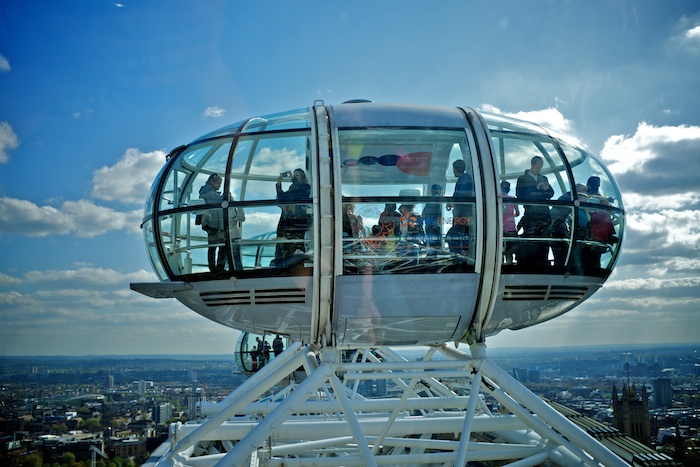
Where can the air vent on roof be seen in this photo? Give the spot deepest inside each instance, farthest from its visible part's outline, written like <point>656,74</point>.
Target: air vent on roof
<point>276,296</point>
<point>544,292</point>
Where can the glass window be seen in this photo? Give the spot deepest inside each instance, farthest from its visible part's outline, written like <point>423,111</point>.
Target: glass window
<point>173,190</point>
<point>258,161</point>
<point>212,222</point>
<point>405,208</point>
<point>212,155</point>
<point>292,120</point>
<point>149,237</point>
<point>590,173</point>
<point>603,238</point>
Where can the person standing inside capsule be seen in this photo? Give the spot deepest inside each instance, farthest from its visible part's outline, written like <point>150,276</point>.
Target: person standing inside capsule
<point>533,186</point>
<point>459,234</point>
<point>294,220</point>
<point>432,217</point>
<point>213,223</point>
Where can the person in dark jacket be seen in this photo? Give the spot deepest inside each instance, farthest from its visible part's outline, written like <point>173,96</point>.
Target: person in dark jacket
<point>294,220</point>
<point>533,186</point>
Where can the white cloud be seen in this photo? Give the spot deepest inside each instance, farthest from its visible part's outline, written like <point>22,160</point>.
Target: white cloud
<point>638,201</point>
<point>214,112</point>
<point>94,303</point>
<point>646,284</point>
<point>87,277</point>
<point>8,140</point>
<point>8,280</point>
<point>4,64</point>
<point>655,160</point>
<point>661,244</point>
<point>80,218</point>
<point>693,34</point>
<point>550,118</point>
<point>130,179</point>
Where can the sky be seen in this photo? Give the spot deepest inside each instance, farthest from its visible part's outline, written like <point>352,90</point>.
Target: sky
<point>94,94</point>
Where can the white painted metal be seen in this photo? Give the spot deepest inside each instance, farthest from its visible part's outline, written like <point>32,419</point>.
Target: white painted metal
<point>435,415</point>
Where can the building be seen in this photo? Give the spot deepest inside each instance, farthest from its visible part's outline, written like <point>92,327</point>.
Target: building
<point>663,393</point>
<point>161,413</point>
<point>133,446</point>
<point>520,374</point>
<point>631,413</point>
<point>193,411</point>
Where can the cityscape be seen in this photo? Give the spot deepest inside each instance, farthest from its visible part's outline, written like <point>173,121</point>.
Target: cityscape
<point>115,410</point>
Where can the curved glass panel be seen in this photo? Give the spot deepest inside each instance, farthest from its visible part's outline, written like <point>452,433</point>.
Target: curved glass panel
<point>293,120</point>
<point>153,194</point>
<point>405,208</point>
<point>589,172</point>
<point>228,130</point>
<point>152,250</point>
<point>502,123</point>
<point>251,219</point>
<point>254,351</point>
<point>544,227</point>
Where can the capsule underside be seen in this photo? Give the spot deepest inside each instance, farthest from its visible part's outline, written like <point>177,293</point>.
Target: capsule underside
<point>378,233</point>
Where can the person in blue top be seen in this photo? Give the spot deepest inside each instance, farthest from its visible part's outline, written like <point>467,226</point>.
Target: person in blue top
<point>294,220</point>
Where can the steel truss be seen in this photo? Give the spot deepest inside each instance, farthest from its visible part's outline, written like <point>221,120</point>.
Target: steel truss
<point>433,412</point>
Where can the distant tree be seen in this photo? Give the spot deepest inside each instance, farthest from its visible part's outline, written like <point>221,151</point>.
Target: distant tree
<point>59,428</point>
<point>108,421</point>
<point>31,460</point>
<point>68,459</point>
<point>91,424</point>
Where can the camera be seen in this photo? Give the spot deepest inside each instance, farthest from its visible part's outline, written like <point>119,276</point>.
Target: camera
<point>286,174</point>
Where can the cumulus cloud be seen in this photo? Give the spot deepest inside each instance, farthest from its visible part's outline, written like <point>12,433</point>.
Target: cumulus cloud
<point>654,283</point>
<point>86,277</point>
<point>686,37</point>
<point>214,112</point>
<point>8,280</point>
<point>655,160</point>
<point>4,64</point>
<point>550,118</point>
<point>673,201</point>
<point>80,218</point>
<point>95,302</point>
<point>130,179</point>
<point>693,34</point>
<point>667,229</point>
<point>8,140</point>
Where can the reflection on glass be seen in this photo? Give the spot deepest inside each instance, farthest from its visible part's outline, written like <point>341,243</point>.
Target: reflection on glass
<point>393,239</point>
<point>408,201</point>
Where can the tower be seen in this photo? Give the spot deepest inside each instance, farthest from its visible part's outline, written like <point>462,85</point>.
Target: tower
<point>631,413</point>
<point>663,395</point>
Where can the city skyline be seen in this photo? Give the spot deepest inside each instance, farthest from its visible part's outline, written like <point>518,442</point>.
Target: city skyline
<point>94,95</point>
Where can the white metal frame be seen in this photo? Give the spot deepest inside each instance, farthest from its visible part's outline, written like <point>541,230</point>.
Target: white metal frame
<point>436,414</point>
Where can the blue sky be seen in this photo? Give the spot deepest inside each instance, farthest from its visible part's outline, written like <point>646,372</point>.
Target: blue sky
<point>93,94</point>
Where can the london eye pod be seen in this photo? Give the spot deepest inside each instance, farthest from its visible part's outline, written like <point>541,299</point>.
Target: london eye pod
<point>380,224</point>
<point>348,230</point>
